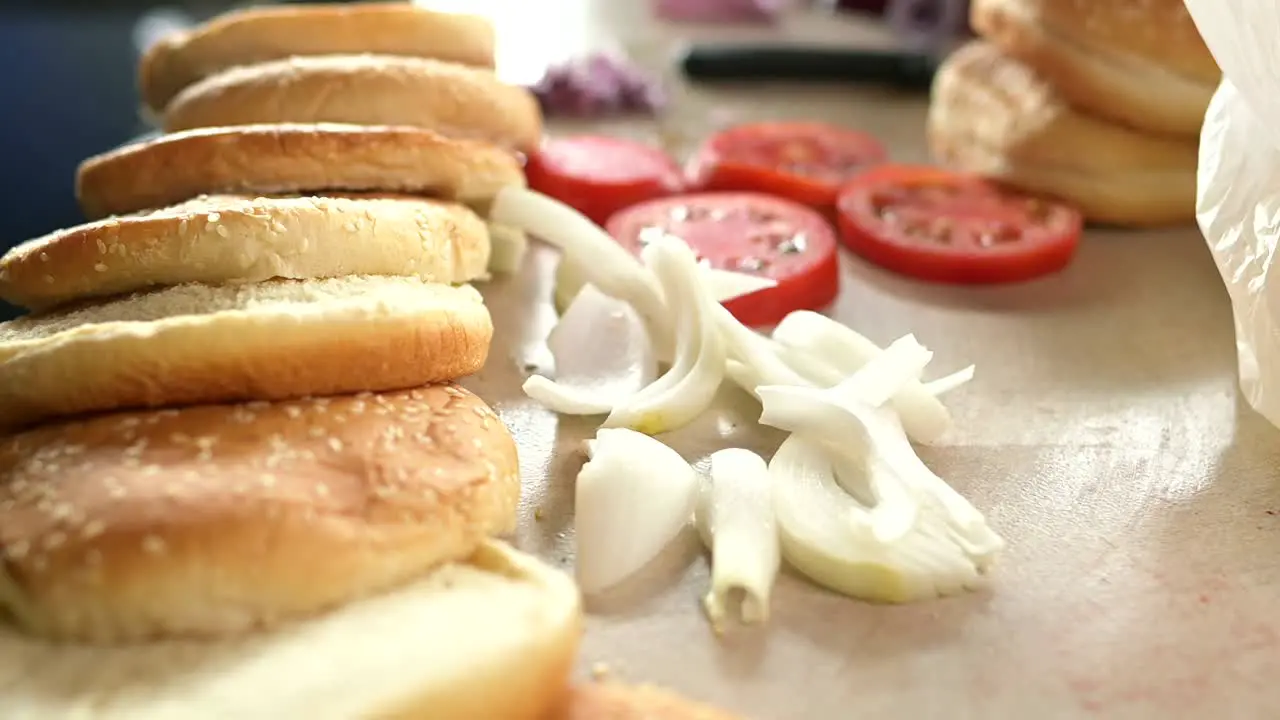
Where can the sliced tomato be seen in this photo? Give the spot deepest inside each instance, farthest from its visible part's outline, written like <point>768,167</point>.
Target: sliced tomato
<point>803,161</point>
<point>599,175</point>
<point>749,233</point>
<point>937,225</point>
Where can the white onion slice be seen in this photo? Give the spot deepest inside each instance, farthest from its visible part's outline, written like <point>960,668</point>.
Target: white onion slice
<point>842,423</point>
<point>688,387</point>
<point>818,540</point>
<point>925,418</point>
<point>740,520</point>
<point>602,357</point>
<point>633,498</point>
<point>725,285</point>
<point>507,248</point>
<point>947,383</point>
<point>613,270</point>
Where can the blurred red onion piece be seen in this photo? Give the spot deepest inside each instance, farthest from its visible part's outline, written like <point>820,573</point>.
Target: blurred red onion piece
<point>597,85</point>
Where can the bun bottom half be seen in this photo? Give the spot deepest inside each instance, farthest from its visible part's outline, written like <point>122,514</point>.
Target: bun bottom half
<point>995,116</point>
<point>494,637</point>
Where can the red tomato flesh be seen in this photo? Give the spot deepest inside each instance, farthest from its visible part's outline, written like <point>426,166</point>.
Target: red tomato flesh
<point>802,161</point>
<point>937,225</point>
<point>599,175</point>
<point>747,233</point>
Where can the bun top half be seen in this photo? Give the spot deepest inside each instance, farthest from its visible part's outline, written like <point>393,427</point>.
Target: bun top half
<point>217,519</point>
<point>245,37</point>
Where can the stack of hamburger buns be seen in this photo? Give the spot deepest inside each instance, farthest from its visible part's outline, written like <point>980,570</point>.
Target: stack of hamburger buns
<point>236,476</point>
<point>1096,102</point>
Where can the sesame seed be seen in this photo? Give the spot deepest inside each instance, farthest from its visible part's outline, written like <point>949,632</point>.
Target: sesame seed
<point>322,490</point>
<point>223,231</point>
<point>102,246</point>
<point>48,279</point>
<point>92,529</point>
<point>54,540</point>
<point>179,438</point>
<point>44,257</point>
<point>153,545</point>
<point>293,411</point>
<point>335,444</point>
<point>93,558</point>
<point>213,217</point>
<point>268,480</point>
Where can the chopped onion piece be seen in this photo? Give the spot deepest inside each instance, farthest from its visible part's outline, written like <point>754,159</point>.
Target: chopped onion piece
<point>633,498</point>
<point>756,351</point>
<point>507,248</point>
<point>924,417</point>
<point>603,357</point>
<point>950,382</point>
<point>740,519</point>
<point>688,387</point>
<point>613,270</point>
<point>817,539</point>
<point>725,285</point>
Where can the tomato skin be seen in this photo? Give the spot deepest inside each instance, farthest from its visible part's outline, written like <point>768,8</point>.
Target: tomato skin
<point>748,232</point>
<point>598,175</point>
<point>748,158</point>
<point>1032,246</point>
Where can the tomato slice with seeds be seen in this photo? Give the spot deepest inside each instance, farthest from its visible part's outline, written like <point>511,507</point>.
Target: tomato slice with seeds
<point>748,233</point>
<point>937,225</point>
<point>599,175</point>
<point>802,161</point>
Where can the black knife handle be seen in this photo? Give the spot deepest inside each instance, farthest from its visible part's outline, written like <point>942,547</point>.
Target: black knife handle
<point>745,63</point>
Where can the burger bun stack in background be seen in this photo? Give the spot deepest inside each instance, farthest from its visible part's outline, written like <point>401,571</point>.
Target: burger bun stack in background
<point>1095,102</point>
<point>236,477</point>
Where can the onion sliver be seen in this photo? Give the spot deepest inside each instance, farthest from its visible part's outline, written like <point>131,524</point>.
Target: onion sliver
<point>688,387</point>
<point>633,497</point>
<point>817,539</point>
<point>743,533</point>
<point>613,270</point>
<point>603,356</point>
<point>925,418</point>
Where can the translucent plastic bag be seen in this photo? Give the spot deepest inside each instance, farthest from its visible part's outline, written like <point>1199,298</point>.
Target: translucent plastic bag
<point>1238,188</point>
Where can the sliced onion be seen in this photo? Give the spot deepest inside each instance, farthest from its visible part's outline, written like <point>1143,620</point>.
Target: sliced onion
<point>613,270</point>
<point>633,497</point>
<point>507,248</point>
<point>818,540</point>
<point>687,389</point>
<point>602,357</point>
<point>725,285</point>
<point>924,417</point>
<point>740,520</point>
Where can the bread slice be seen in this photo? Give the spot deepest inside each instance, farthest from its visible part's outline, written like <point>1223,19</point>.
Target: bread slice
<point>267,341</point>
<point>230,239</point>
<point>454,100</point>
<point>995,116</point>
<point>213,520</point>
<point>249,36</point>
<point>291,159</point>
<point>1142,65</point>
<point>490,638</point>
<point>615,701</point>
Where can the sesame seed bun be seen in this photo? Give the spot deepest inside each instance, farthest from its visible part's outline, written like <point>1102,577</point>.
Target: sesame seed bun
<point>248,36</point>
<point>993,115</point>
<point>292,159</point>
<point>453,100</point>
<point>615,701</point>
<point>489,638</point>
<point>1141,63</point>
<point>227,239</point>
<point>217,519</point>
<point>266,341</point>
